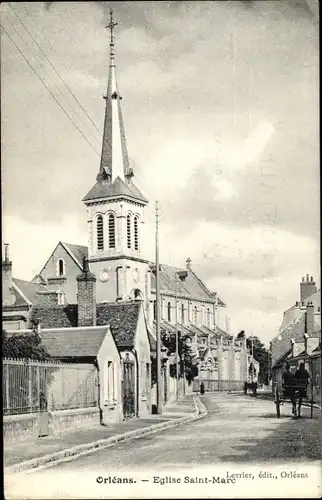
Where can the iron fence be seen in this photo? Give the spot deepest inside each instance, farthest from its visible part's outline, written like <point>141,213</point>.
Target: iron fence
<point>33,386</point>
<point>213,385</point>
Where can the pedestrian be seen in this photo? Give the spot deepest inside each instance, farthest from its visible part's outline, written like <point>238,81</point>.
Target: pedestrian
<point>202,388</point>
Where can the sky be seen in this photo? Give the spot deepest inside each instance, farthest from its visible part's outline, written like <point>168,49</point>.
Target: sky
<point>220,103</point>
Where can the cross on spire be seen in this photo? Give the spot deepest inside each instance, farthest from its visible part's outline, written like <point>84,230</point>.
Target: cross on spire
<point>111,25</point>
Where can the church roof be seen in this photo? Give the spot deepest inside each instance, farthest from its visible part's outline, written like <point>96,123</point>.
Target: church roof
<point>118,188</point>
<point>121,317</point>
<point>77,251</point>
<point>190,287</point>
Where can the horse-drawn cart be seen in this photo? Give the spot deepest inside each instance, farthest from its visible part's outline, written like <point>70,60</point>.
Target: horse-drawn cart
<point>296,396</point>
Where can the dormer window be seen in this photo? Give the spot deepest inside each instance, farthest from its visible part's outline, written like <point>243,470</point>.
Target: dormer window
<point>61,267</point>
<point>169,311</point>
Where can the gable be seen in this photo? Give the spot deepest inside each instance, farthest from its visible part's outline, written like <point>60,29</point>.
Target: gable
<point>122,319</point>
<point>72,256</point>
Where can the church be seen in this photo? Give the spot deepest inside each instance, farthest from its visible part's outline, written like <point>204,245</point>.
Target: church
<point>114,257</point>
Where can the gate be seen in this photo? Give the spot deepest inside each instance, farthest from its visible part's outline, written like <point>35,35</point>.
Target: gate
<point>129,410</point>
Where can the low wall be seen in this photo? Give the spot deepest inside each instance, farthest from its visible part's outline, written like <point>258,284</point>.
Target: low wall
<point>68,420</point>
<point>111,414</point>
<point>25,426</point>
<point>217,385</point>
<point>20,427</point>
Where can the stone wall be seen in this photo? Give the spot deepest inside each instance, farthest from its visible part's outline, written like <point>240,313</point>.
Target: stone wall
<point>20,427</point>
<point>25,427</point>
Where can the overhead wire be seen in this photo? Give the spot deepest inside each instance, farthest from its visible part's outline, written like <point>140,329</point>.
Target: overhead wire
<point>50,92</point>
<point>53,67</point>
<point>66,86</point>
<point>49,76</point>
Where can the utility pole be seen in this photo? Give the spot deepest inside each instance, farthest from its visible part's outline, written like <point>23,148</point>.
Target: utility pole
<point>252,359</point>
<point>177,338</point>
<point>157,318</point>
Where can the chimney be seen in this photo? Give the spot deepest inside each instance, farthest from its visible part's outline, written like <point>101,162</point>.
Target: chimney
<point>188,263</point>
<point>86,296</point>
<point>309,319</point>
<point>8,297</point>
<point>307,287</point>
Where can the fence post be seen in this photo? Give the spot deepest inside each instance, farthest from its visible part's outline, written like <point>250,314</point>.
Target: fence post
<point>38,386</point>
<point>7,388</point>
<point>30,387</point>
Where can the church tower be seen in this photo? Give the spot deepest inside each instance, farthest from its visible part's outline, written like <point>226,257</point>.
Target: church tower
<point>115,208</point>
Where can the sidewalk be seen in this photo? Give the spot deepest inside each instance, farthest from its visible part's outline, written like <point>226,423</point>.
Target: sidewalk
<point>31,454</point>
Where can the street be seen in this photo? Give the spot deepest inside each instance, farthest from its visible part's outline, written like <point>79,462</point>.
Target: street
<point>239,434</point>
<point>236,429</point>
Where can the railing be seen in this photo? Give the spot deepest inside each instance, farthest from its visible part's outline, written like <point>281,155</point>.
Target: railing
<point>211,385</point>
<point>32,386</point>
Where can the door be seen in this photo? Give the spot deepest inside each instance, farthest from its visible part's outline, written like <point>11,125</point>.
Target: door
<point>129,389</point>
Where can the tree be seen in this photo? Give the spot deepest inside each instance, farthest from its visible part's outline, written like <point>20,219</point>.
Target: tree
<point>23,346</point>
<point>263,356</point>
<point>186,361</point>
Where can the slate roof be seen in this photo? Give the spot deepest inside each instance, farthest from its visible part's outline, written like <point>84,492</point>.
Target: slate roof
<point>295,311</point>
<point>64,316</point>
<point>190,287</point>
<point>117,188</point>
<point>281,343</point>
<point>73,342</point>
<point>123,320</point>
<point>28,289</point>
<point>121,317</point>
<point>79,251</point>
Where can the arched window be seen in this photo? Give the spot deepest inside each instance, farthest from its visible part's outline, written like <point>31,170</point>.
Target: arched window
<point>128,231</point>
<point>61,267</point>
<point>208,317</point>
<point>169,311</point>
<point>136,232</point>
<point>195,314</point>
<point>182,313</point>
<point>100,232</point>
<point>111,231</point>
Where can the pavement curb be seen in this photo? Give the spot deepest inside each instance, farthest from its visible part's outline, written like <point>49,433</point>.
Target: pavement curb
<point>69,453</point>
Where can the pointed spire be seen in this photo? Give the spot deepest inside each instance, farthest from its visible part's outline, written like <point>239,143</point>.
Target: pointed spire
<point>114,158</point>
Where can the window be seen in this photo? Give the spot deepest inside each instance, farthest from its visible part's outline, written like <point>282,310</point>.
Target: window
<point>100,232</point>
<point>169,311</point>
<point>154,309</point>
<point>111,231</point>
<point>182,313</point>
<point>109,386</point>
<point>136,233</point>
<point>195,314</point>
<point>61,267</point>
<point>208,317</point>
<point>128,231</point>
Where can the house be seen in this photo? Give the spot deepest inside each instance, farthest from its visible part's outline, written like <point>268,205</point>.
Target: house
<point>128,328</point>
<point>81,347</point>
<point>300,329</point>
